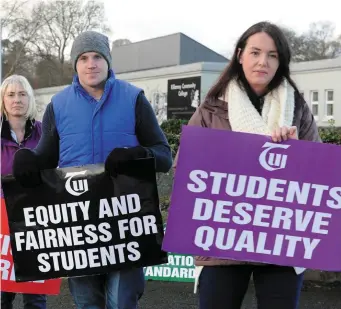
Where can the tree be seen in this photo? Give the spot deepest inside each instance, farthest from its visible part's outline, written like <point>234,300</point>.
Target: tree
<point>20,28</point>
<point>120,42</point>
<point>46,30</point>
<point>158,102</point>
<point>16,58</point>
<point>63,21</point>
<point>13,16</point>
<point>295,43</point>
<point>319,42</point>
<point>48,73</point>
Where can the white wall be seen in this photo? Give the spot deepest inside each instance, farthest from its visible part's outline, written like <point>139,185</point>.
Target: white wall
<point>321,81</point>
<point>208,79</point>
<point>43,97</point>
<point>155,82</point>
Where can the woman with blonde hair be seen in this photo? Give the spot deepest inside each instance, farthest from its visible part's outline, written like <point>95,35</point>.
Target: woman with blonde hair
<point>19,129</point>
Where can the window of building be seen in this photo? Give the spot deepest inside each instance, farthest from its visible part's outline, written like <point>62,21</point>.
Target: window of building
<point>329,103</point>
<point>314,99</point>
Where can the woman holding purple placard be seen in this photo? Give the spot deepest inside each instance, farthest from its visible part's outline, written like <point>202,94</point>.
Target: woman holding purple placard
<point>254,94</point>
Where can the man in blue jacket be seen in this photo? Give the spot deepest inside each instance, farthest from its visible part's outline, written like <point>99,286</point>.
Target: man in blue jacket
<point>97,119</point>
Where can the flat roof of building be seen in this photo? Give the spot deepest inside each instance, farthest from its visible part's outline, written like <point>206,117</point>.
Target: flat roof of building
<point>161,52</point>
<point>326,64</point>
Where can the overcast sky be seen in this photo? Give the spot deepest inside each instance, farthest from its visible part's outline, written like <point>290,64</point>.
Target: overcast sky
<point>214,23</point>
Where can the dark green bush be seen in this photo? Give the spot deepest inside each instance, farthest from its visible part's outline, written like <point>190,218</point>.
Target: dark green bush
<point>172,130</point>
<point>331,134</point>
<point>173,125</point>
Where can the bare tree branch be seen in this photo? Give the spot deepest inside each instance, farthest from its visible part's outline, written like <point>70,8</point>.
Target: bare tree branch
<point>10,9</point>
<point>63,21</point>
<point>316,44</point>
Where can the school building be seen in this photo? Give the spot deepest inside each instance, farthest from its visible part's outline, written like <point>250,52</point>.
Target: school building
<point>176,73</point>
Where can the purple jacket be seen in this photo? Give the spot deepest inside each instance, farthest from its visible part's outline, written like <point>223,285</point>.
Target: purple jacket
<point>9,146</point>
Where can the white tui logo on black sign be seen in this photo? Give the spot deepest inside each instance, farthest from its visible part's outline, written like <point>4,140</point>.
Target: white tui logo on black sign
<point>272,161</point>
<point>76,187</point>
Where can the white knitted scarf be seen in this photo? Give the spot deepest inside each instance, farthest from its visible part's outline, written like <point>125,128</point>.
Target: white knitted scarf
<point>278,109</point>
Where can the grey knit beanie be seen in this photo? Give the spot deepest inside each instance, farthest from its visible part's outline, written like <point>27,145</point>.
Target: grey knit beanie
<point>90,41</point>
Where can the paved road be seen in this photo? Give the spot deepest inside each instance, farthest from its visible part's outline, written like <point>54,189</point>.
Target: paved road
<point>171,295</point>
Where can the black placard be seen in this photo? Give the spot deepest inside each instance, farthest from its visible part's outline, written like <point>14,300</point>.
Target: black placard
<point>81,221</point>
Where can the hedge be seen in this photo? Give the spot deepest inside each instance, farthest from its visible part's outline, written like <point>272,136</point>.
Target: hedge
<point>172,130</point>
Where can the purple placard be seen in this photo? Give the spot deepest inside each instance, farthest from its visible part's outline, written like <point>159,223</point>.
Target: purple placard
<point>239,196</point>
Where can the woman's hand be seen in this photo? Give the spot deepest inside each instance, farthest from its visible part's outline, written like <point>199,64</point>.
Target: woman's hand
<point>284,133</point>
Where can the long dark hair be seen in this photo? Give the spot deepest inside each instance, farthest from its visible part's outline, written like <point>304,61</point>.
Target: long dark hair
<point>234,69</point>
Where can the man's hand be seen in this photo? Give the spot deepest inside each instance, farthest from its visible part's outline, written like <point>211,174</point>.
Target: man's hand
<point>120,155</point>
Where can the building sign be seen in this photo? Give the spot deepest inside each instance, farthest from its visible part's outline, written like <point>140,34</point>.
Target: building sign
<point>183,97</point>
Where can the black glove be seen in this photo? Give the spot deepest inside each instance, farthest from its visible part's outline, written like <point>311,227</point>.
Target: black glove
<point>121,155</point>
<point>26,168</point>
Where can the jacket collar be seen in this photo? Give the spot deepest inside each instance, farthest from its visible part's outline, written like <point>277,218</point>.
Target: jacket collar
<point>6,129</point>
<point>217,107</point>
<point>108,84</point>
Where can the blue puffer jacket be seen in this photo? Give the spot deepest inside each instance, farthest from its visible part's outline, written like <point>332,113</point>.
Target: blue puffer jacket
<point>88,129</point>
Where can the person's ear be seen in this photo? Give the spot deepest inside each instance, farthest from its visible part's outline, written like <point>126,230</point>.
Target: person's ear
<point>240,56</point>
